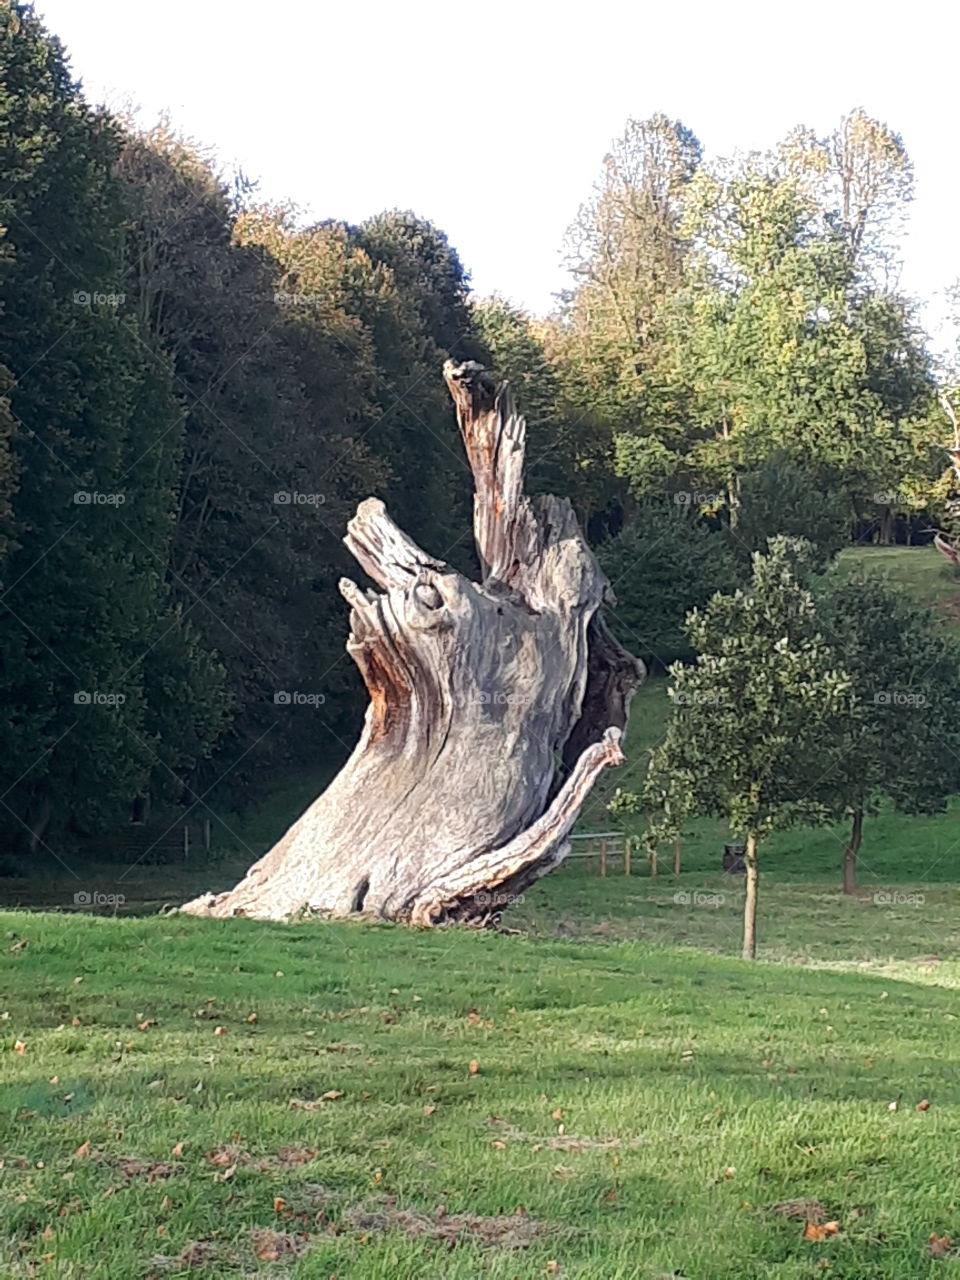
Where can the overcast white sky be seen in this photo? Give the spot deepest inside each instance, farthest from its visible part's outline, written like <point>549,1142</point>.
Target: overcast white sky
<point>492,119</point>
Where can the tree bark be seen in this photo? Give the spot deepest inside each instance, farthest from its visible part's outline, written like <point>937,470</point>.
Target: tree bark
<point>750,901</point>
<point>493,708</point>
<point>851,851</point>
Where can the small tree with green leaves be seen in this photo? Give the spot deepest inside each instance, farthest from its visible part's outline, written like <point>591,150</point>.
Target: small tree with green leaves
<point>756,719</point>
<point>903,741</point>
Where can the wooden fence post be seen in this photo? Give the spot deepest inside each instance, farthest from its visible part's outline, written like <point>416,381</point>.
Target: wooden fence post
<point>626,855</point>
<point>676,857</point>
<point>603,857</point>
<point>653,865</point>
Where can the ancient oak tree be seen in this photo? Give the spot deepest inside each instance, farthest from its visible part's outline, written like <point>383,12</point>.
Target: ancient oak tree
<point>494,705</point>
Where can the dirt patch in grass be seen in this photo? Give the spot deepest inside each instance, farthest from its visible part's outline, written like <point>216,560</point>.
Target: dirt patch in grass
<point>285,1158</point>
<point>513,1231</point>
<point>808,1210</point>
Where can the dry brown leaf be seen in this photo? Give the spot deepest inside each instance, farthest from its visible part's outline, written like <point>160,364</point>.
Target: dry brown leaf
<point>177,1150</point>
<point>333,1094</point>
<point>279,1204</point>
<point>558,1114</point>
<point>473,1066</point>
<point>939,1246</point>
<point>499,1146</point>
<point>219,1031</point>
<point>819,1231</point>
<point>20,1047</point>
<point>146,1024</point>
<point>429,1109</point>
<point>252,1017</point>
<point>924,1105</point>
<point>74,1021</point>
<point>226,1175</point>
<point>82,1150</point>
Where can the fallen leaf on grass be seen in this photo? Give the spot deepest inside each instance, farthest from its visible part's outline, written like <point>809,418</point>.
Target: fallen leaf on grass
<point>226,1175</point>
<point>819,1231</point>
<point>146,1024</point>
<point>429,1109</point>
<point>20,1047</point>
<point>923,1106</point>
<point>219,1031</point>
<point>177,1150</point>
<point>251,1017</point>
<point>473,1067</point>
<point>82,1150</point>
<point>939,1246</point>
<point>332,1094</point>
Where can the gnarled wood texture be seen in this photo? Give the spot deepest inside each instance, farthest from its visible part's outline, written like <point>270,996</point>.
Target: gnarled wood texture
<point>493,707</point>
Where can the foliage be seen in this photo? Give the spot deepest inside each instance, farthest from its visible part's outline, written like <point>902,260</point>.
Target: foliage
<point>664,563</point>
<point>903,741</point>
<point>781,496</point>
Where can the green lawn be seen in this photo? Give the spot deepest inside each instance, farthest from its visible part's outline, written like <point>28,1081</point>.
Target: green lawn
<point>634,1110</point>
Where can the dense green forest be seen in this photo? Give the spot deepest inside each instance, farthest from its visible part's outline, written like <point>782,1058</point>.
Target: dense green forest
<point>197,390</point>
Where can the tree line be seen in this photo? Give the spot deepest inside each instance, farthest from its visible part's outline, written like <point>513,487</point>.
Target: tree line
<point>196,389</point>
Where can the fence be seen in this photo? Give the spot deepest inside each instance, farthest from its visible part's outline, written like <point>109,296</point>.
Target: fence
<point>606,842</point>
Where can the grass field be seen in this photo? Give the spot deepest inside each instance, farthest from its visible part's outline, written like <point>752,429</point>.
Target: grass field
<point>460,1104</point>
<point>606,1093</point>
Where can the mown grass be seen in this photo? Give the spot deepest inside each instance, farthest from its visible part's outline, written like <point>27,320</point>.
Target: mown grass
<point>643,1106</point>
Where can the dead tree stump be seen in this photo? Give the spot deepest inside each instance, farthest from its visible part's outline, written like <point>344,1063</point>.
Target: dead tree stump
<point>493,708</point>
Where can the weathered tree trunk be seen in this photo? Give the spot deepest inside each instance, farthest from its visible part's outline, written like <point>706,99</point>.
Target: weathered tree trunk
<point>493,708</point>
<point>851,851</point>
<point>750,900</point>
